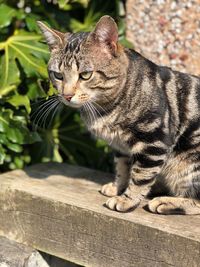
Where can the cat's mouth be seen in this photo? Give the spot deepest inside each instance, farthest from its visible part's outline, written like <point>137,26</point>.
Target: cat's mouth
<point>69,100</point>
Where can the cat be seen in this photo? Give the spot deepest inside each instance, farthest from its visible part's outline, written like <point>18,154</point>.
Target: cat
<point>149,114</point>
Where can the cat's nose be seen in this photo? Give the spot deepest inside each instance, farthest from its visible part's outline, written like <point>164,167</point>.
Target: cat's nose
<point>68,97</point>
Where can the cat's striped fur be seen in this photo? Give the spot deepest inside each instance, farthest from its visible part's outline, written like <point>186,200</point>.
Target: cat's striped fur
<point>149,114</point>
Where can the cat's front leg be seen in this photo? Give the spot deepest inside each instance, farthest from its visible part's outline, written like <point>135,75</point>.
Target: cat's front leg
<point>142,173</point>
<point>121,179</point>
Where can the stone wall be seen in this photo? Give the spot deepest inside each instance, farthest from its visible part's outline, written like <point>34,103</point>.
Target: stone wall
<point>167,32</point>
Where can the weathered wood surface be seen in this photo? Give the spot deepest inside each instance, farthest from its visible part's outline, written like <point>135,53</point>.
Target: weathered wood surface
<point>56,208</point>
<point>13,254</point>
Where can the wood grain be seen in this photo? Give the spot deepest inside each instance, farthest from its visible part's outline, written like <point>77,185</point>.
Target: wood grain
<point>56,208</point>
<point>13,254</point>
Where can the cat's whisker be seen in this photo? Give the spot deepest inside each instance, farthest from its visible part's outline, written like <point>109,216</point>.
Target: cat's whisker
<point>89,113</point>
<point>85,110</point>
<point>99,106</point>
<point>41,106</point>
<point>44,99</point>
<point>92,111</point>
<point>53,115</point>
<point>94,116</point>
<point>40,114</point>
<point>43,123</point>
<point>41,111</point>
<point>44,118</point>
<point>96,109</point>
<point>93,101</point>
<point>107,124</point>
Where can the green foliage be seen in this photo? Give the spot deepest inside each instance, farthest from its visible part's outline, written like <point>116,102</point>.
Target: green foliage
<point>24,80</point>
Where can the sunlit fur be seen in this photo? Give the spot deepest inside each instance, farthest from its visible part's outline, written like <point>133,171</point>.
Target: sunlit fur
<point>149,114</point>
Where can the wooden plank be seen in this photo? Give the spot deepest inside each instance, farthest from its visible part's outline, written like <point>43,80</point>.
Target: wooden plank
<point>56,208</point>
<point>13,254</point>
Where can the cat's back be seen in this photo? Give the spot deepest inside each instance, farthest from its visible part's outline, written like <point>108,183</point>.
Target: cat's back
<point>179,92</point>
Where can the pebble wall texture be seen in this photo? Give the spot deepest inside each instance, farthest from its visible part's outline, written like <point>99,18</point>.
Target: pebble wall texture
<point>166,32</point>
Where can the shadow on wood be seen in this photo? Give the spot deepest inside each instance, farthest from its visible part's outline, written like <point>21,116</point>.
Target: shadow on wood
<point>56,208</point>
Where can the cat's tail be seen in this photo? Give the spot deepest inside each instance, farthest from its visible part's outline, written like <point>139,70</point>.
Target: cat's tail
<point>174,205</point>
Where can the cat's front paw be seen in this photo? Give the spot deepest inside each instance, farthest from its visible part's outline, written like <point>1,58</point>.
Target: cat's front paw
<point>164,205</point>
<point>122,203</point>
<point>109,190</point>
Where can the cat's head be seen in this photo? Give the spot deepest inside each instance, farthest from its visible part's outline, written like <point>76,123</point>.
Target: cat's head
<point>86,67</point>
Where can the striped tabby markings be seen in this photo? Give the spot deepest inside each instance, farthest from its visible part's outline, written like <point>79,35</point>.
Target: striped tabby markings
<point>171,92</point>
<point>149,126</point>
<point>178,174</point>
<point>192,104</point>
<point>69,87</point>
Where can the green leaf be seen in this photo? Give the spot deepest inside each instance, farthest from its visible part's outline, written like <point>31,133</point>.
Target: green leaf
<point>19,133</point>
<point>31,54</point>
<point>15,147</point>
<point>69,4</point>
<point>34,90</point>
<point>6,15</point>
<point>20,100</point>
<point>3,139</point>
<point>19,163</point>
<point>31,22</point>
<point>4,124</point>
<point>31,65</point>
<point>15,135</point>
<point>2,154</point>
<point>9,72</point>
<point>15,130</point>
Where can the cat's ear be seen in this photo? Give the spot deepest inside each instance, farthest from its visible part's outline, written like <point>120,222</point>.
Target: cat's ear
<point>106,32</point>
<point>54,39</point>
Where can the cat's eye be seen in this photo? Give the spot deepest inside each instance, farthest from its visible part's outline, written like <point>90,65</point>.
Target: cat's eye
<point>86,75</point>
<point>58,75</point>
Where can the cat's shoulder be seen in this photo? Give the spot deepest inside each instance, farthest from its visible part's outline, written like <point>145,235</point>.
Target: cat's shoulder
<point>165,72</point>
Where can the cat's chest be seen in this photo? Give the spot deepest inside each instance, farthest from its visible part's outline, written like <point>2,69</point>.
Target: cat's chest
<point>112,134</point>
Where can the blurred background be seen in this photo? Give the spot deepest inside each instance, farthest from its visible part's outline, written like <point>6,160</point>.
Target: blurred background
<point>168,32</point>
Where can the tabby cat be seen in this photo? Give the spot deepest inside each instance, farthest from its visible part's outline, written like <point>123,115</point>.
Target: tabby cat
<point>149,114</point>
